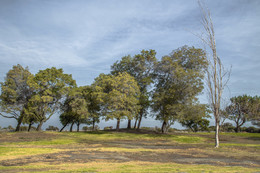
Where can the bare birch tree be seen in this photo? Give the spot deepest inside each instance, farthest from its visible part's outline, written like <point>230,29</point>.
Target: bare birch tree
<point>217,77</point>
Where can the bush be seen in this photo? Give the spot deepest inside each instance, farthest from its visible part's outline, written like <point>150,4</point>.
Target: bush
<point>252,130</point>
<point>211,128</point>
<point>23,128</point>
<point>157,129</point>
<point>147,128</point>
<point>227,127</point>
<point>96,128</point>
<point>9,128</point>
<point>108,128</point>
<point>85,128</point>
<point>52,128</point>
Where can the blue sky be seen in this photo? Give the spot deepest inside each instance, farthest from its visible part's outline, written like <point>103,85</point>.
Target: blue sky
<point>86,37</point>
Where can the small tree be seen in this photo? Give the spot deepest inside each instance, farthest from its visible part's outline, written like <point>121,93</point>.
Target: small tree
<point>74,109</point>
<point>93,105</point>
<point>119,96</point>
<point>15,94</point>
<point>51,85</point>
<point>178,82</point>
<point>194,117</point>
<point>242,109</point>
<point>141,67</point>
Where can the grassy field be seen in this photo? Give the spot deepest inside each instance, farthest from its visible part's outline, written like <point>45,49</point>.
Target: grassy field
<point>128,151</point>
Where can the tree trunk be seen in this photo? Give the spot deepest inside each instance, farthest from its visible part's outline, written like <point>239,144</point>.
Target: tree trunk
<point>135,122</point>
<point>63,127</point>
<point>118,124</point>
<point>164,127</point>
<point>71,127</point>
<point>20,120</point>
<point>78,124</point>
<point>29,128</point>
<point>39,127</point>
<point>129,124</point>
<point>139,122</point>
<point>93,124</point>
<point>217,134</point>
<point>237,127</point>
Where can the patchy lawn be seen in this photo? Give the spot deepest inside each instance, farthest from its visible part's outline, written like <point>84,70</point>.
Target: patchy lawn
<point>128,151</point>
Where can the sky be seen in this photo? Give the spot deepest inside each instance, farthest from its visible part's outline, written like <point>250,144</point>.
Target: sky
<point>85,37</point>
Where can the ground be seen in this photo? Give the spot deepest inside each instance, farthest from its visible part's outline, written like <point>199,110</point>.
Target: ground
<point>128,151</point>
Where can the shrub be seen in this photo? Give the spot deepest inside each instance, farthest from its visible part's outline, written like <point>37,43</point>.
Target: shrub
<point>52,128</point>
<point>9,128</point>
<point>23,128</point>
<point>252,130</point>
<point>157,129</point>
<point>96,128</point>
<point>85,128</point>
<point>108,128</point>
<point>227,127</point>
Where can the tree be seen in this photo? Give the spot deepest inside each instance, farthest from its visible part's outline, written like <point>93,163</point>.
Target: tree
<point>217,76</point>
<point>141,67</point>
<point>15,94</point>
<point>178,82</point>
<point>255,110</point>
<point>50,87</point>
<point>242,109</point>
<point>74,109</point>
<point>194,117</point>
<point>119,96</point>
<point>29,118</point>
<point>93,105</point>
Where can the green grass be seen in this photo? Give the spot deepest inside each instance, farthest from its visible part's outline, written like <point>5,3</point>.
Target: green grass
<point>130,167</point>
<point>131,136</point>
<point>15,152</point>
<point>92,142</point>
<point>250,135</point>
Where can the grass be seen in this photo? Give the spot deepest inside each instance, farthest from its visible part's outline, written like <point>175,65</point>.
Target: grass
<point>131,166</point>
<point>87,147</point>
<point>108,136</point>
<point>17,152</point>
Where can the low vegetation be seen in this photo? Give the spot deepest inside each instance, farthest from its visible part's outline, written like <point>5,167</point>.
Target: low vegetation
<point>128,151</point>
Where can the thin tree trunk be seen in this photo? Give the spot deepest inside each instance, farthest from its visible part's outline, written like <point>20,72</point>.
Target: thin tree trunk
<point>129,124</point>
<point>71,127</point>
<point>93,124</point>
<point>63,127</point>
<point>136,119</point>
<point>217,134</point>
<point>20,120</point>
<point>164,127</point>
<point>118,124</point>
<point>29,128</point>
<point>39,127</point>
<point>139,122</point>
<point>78,124</point>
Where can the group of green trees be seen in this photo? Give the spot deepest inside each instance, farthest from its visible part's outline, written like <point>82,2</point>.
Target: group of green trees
<point>137,85</point>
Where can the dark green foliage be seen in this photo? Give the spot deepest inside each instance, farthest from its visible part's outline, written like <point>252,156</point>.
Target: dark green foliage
<point>227,127</point>
<point>141,67</point>
<point>242,109</point>
<point>50,86</point>
<point>194,117</point>
<point>16,93</point>
<point>178,82</point>
<point>118,96</point>
<point>250,129</point>
<point>93,105</point>
<point>74,109</point>
<point>52,128</point>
